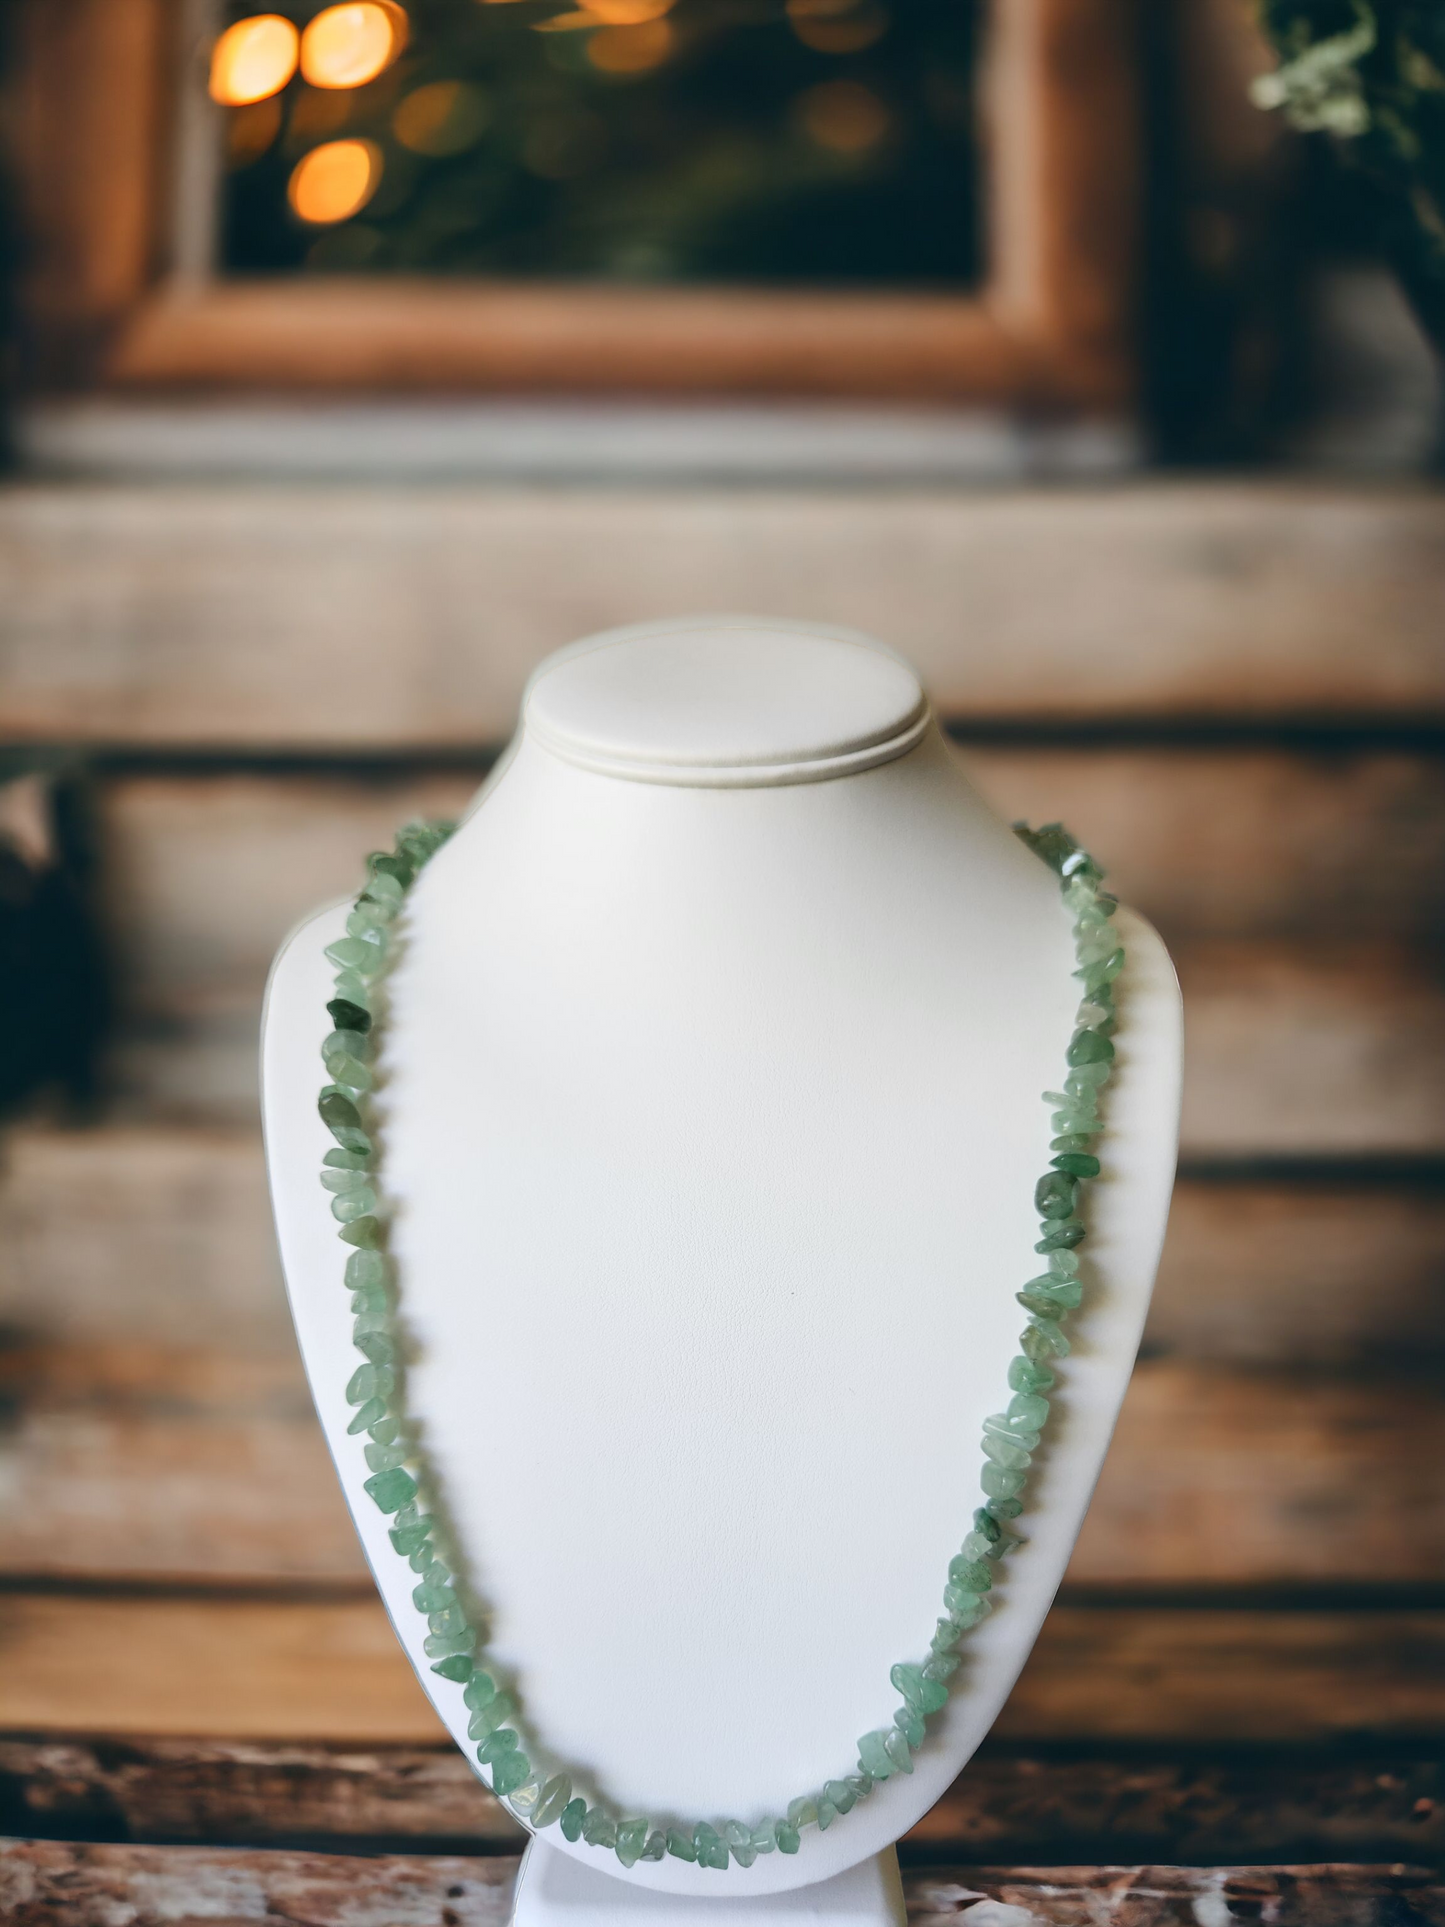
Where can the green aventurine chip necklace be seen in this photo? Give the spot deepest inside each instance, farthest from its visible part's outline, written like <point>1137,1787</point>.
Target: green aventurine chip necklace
<point>536,1788</point>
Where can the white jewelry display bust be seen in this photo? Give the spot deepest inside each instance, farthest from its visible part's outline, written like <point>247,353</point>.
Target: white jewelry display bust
<point>711,1111</point>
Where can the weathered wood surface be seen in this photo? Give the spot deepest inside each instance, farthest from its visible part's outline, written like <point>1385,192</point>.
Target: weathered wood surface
<point>133,1461</point>
<point>1264,1802</point>
<point>153,1233</point>
<point>234,615</point>
<point>204,875</point>
<point>1292,1049</point>
<point>330,1669</point>
<point>57,1884</point>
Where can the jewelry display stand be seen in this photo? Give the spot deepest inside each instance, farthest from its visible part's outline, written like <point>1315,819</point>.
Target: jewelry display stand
<point>710,1100</point>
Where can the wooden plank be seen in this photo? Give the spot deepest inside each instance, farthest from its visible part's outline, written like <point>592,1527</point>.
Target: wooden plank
<point>164,1235</point>
<point>233,615</point>
<point>134,1461</point>
<point>1306,1049</point>
<point>1264,1803</point>
<point>61,1884</point>
<point>309,1669</point>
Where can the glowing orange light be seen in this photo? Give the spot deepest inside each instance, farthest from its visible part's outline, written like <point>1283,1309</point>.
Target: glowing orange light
<point>627,13</point>
<point>348,45</point>
<point>253,59</point>
<point>842,115</point>
<point>840,36</point>
<point>631,50</point>
<point>333,182</point>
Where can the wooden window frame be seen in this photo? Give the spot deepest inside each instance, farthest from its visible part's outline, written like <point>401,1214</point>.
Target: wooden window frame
<point>93,111</point>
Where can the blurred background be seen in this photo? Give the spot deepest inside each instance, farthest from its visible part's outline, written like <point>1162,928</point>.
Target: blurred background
<point>357,356</point>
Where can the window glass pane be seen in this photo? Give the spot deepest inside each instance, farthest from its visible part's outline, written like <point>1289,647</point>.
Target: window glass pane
<point>753,141</point>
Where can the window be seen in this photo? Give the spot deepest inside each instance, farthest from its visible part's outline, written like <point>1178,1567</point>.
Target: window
<point>786,196</point>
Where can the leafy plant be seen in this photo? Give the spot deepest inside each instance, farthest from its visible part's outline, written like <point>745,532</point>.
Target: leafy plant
<point>1371,75</point>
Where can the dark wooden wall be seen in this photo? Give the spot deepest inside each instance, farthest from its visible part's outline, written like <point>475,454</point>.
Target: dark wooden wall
<point>1236,694</point>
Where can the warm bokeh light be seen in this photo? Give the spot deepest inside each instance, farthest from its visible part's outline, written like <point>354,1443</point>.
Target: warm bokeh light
<point>842,115</point>
<point>841,35</point>
<point>253,59</point>
<point>627,13</point>
<point>443,117</point>
<point>333,182</point>
<point>631,50</point>
<point>348,45</point>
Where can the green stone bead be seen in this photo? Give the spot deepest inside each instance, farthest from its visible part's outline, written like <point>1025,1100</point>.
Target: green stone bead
<point>365,1232</point>
<point>353,988</point>
<point>509,1772</point>
<point>861,1783</point>
<point>380,1458</point>
<point>377,1346</point>
<point>1001,1481</point>
<point>735,1833</point>
<point>841,1794</point>
<point>481,1691</point>
<point>1027,1409</point>
<point>1041,1339</point>
<point>1078,1123</point>
<point>942,1667</point>
<point>355,953</point>
<point>896,1746</point>
<point>1063,1264</point>
<point>1062,1236</point>
<point>961,1603</point>
<point>497,1745</point>
<point>908,1680</point>
<point>744,1855</point>
<point>789,1839</point>
<point>680,1845</point>
<point>631,1839</point>
<point>444,1645</point>
<point>827,1814</point>
<point>385,887</point>
<point>803,1811</point>
<point>420,1559</point>
<point>910,1725</point>
<point>370,1381</point>
<point>946,1636</point>
<point>1069,1142</point>
<point>1005,1508</point>
<point>1087,1080</point>
<point>984,1525</point>
<point>1054,1195</point>
<point>340,1116</point>
<point>385,1430</point>
<point>524,1801</point>
<point>1093,1014</point>
<point>453,1620</point>
<point>353,1204</point>
<point>711,1848</point>
<point>1076,1164</point>
<point>1089,1047</point>
<point>554,1797</point>
<point>573,1814</point>
<point>599,1829</point>
<point>456,1666</point>
<point>1049,1304</point>
<point>765,1836</point>
<point>338,1160</point>
<point>656,1847</point>
<point>491,1715</point>
<point>410,1539</point>
<point>1003,1452</point>
<point>347,1015</point>
<point>350,1072</point>
<point>339,1181</point>
<point>347,1043</point>
<point>367,1415</point>
<point>433,1599</point>
<point>874,1756</point>
<point>1027,1375</point>
<point>964,1571</point>
<point>392,1489</point>
<point>365,1269</point>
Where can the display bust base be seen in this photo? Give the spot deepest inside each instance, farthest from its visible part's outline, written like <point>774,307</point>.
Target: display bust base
<point>557,1890</point>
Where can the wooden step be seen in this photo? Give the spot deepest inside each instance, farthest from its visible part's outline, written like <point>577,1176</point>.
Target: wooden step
<point>93,1886</point>
<point>335,616</point>
<point>309,1669</point>
<point>163,1234</point>
<point>1264,1802</point>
